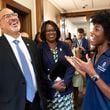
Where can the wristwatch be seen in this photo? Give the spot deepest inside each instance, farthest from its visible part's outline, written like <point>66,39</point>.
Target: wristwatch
<point>95,77</point>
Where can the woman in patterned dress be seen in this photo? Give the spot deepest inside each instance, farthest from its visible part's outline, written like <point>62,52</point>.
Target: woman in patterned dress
<point>58,70</point>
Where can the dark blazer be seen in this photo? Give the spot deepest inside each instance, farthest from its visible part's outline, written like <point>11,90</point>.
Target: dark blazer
<point>86,46</point>
<point>49,64</point>
<point>12,81</point>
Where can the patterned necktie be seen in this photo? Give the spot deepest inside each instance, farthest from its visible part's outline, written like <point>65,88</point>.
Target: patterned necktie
<point>30,89</point>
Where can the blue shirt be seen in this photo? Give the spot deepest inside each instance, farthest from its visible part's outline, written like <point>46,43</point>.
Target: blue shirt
<point>94,98</point>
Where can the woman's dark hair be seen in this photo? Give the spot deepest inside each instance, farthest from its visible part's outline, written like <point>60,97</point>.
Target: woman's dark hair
<point>36,36</point>
<point>43,30</point>
<point>103,18</point>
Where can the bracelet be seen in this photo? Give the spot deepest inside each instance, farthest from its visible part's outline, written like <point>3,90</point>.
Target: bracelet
<point>95,77</point>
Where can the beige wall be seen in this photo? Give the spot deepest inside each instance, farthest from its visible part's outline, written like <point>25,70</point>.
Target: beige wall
<point>50,11</point>
<point>70,27</point>
<point>31,5</point>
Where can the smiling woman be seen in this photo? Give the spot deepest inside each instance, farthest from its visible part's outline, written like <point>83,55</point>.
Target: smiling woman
<point>58,71</point>
<point>49,27</point>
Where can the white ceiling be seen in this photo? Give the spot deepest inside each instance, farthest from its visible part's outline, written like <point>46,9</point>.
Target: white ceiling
<point>80,5</point>
<point>66,6</point>
<point>78,20</point>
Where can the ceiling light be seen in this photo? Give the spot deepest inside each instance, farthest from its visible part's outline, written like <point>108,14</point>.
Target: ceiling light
<point>84,6</point>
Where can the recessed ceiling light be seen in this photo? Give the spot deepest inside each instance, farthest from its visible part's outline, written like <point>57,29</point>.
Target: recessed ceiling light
<point>84,6</point>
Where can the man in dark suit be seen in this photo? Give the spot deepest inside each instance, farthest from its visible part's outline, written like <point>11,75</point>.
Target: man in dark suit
<point>82,44</point>
<point>13,84</point>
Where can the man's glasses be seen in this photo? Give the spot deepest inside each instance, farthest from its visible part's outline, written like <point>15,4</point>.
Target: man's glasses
<point>8,16</point>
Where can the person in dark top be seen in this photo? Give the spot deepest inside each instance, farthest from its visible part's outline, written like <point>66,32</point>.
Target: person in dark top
<point>97,70</point>
<point>82,44</point>
<point>14,92</point>
<point>58,70</point>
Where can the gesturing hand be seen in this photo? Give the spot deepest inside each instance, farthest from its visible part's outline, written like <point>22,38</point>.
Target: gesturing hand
<point>81,66</point>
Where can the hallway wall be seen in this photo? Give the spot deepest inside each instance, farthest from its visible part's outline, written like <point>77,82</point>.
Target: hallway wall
<point>50,11</point>
<point>31,5</point>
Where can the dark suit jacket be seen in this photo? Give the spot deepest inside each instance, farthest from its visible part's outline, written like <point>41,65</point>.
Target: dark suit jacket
<point>86,46</point>
<point>49,64</point>
<point>12,82</point>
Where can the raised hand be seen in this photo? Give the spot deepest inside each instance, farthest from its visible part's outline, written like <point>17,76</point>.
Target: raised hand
<point>81,66</point>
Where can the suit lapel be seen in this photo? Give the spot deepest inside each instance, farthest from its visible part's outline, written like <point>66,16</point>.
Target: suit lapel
<point>10,53</point>
<point>48,54</point>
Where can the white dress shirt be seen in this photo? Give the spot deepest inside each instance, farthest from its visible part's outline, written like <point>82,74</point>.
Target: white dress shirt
<point>26,53</point>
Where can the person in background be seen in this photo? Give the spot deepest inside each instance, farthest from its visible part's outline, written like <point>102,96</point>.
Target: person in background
<point>19,82</point>
<point>24,34</point>
<point>97,70</point>
<point>37,38</point>
<point>38,41</point>
<point>81,48</point>
<point>69,41</point>
<point>74,40</point>
<point>82,44</point>
<point>58,70</point>
<point>77,78</point>
<point>69,35</point>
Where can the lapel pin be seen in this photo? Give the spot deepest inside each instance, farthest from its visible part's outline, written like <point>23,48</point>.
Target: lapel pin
<point>60,49</point>
<point>27,44</point>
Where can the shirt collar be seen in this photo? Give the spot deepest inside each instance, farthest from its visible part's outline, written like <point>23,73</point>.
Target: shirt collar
<point>107,53</point>
<point>11,39</point>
